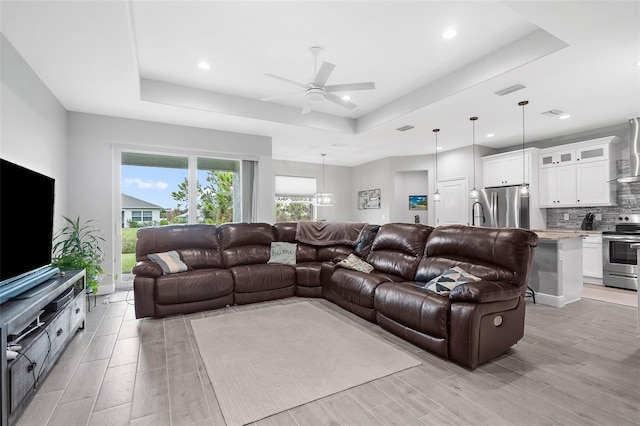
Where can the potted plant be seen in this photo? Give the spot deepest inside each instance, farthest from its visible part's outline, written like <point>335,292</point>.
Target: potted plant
<point>77,246</point>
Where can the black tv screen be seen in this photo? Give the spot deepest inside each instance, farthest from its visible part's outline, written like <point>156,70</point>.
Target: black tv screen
<point>26,220</point>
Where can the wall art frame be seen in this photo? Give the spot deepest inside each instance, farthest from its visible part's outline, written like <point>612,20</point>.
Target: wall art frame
<point>369,199</point>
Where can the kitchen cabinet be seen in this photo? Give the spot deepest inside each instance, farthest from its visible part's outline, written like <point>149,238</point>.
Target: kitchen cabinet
<point>593,153</point>
<point>561,157</point>
<point>557,186</point>
<point>556,271</point>
<point>592,258</point>
<point>505,169</point>
<point>593,184</point>
<point>579,175</point>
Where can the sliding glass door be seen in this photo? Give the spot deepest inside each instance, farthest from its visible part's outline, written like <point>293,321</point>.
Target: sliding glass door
<point>162,189</point>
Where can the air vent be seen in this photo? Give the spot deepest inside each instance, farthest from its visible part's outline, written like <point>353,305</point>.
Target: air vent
<point>404,128</point>
<point>510,89</point>
<point>553,113</point>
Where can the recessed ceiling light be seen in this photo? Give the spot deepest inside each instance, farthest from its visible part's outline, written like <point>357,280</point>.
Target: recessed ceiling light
<point>638,64</point>
<point>346,98</point>
<point>438,148</point>
<point>564,117</point>
<point>204,65</point>
<point>490,135</point>
<point>449,33</point>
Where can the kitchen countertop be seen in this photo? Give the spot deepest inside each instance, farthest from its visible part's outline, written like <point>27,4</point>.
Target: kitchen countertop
<point>561,234</point>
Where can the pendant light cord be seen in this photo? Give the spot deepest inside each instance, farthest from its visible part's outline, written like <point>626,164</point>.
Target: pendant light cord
<point>323,173</point>
<point>436,167</point>
<point>522,104</point>
<point>473,123</point>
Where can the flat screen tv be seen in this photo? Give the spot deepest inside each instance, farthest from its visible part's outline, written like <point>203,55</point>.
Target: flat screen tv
<point>26,229</point>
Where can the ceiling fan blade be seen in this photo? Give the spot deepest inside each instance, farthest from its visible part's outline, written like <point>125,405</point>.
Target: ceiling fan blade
<point>286,80</point>
<point>306,108</point>
<point>323,74</point>
<point>338,100</point>
<point>271,98</point>
<point>349,87</point>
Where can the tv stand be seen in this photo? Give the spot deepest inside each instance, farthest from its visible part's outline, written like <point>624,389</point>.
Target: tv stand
<point>42,337</point>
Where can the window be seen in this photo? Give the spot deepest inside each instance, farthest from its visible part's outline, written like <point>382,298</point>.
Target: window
<point>294,198</point>
<point>178,185</point>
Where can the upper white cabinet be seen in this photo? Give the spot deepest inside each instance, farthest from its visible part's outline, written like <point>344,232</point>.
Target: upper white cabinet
<point>561,157</point>
<point>505,169</point>
<point>578,175</point>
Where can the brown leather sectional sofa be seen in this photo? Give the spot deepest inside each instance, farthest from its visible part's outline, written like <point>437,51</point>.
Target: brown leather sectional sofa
<point>228,264</point>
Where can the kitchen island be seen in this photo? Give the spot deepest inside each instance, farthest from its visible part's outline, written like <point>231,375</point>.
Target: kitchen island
<point>556,273</point>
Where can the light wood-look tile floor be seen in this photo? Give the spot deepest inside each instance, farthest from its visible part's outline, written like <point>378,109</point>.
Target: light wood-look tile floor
<point>577,365</point>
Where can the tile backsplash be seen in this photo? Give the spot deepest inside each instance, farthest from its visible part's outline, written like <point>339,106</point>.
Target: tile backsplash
<point>628,197</point>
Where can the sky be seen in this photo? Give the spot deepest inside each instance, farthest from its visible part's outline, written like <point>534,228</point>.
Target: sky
<point>153,184</point>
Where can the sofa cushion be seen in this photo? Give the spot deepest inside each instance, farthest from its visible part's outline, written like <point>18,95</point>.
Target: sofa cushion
<point>245,243</point>
<point>354,262</point>
<point>201,238</point>
<point>193,286</point>
<point>413,306</point>
<point>356,287</point>
<point>492,254</point>
<point>284,253</point>
<point>286,231</point>
<point>398,247</point>
<point>443,284</point>
<point>262,277</point>
<point>169,261</point>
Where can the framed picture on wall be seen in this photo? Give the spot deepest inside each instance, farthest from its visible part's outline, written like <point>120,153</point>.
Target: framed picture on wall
<point>369,199</point>
<point>417,202</point>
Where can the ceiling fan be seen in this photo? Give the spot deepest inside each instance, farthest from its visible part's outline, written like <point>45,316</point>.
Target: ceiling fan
<point>317,91</point>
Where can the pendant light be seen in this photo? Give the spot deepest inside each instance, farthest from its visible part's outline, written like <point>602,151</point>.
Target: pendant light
<point>474,194</point>
<point>524,188</point>
<point>323,198</point>
<point>436,194</point>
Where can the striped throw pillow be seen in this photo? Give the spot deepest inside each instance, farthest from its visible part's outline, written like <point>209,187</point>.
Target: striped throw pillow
<point>169,261</point>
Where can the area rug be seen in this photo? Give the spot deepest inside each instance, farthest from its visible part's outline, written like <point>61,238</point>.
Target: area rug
<point>268,360</point>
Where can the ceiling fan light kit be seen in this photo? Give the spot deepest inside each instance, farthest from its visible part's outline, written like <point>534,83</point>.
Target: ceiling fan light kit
<point>315,94</point>
<point>317,90</point>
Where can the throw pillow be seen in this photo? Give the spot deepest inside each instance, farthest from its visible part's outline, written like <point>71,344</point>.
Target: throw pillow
<point>354,262</point>
<point>284,253</point>
<point>169,261</point>
<point>443,284</point>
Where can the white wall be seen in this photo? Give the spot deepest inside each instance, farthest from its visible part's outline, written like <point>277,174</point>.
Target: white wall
<point>33,133</point>
<point>373,175</point>
<point>392,173</point>
<point>336,180</point>
<point>94,191</point>
<point>406,184</point>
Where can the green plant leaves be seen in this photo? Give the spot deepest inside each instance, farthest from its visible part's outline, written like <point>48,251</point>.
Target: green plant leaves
<point>77,246</point>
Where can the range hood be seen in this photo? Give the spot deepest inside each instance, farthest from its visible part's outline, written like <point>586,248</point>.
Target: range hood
<point>634,152</point>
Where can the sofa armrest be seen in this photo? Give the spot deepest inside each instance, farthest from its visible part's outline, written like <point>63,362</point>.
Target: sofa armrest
<point>485,292</point>
<point>147,268</point>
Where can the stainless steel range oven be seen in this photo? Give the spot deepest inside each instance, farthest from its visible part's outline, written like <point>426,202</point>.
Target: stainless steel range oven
<point>619,260</point>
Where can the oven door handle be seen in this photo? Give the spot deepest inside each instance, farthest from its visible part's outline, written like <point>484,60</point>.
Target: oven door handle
<point>627,238</point>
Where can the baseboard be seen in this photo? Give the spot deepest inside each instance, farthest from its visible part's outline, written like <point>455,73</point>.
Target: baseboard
<point>551,300</point>
<point>592,280</point>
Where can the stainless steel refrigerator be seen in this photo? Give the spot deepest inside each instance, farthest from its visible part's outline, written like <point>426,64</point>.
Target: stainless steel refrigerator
<point>500,208</point>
